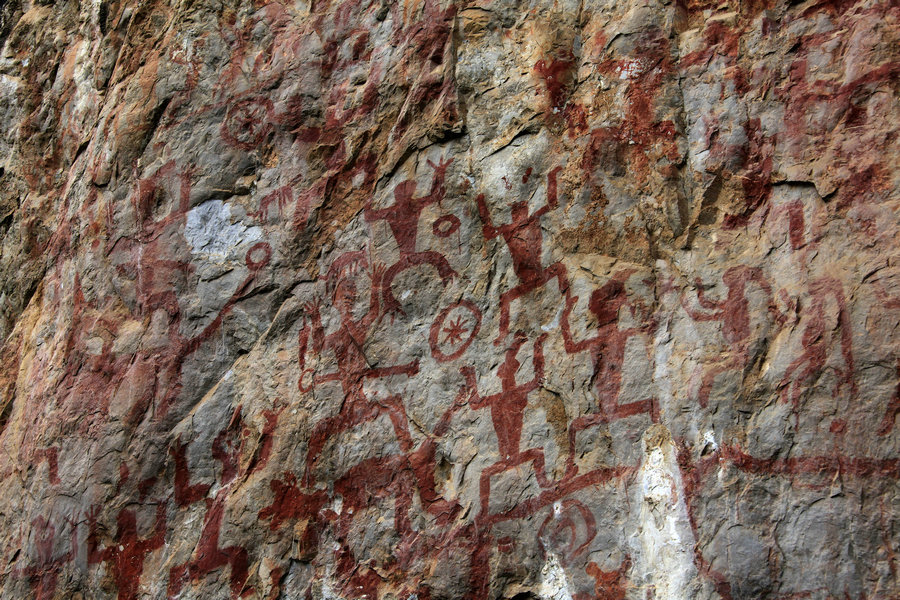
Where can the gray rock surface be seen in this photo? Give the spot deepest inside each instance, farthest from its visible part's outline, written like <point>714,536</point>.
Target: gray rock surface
<point>449,299</point>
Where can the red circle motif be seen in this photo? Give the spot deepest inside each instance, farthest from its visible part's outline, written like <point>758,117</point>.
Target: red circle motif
<point>247,122</point>
<point>454,331</point>
<point>445,226</point>
<point>257,264</point>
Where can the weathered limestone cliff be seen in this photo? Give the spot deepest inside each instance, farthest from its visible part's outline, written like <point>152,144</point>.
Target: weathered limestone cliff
<point>441,299</point>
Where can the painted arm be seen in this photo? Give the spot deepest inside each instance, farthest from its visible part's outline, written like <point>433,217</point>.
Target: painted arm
<point>315,324</point>
<point>846,336</point>
<point>552,198</point>
<point>571,345</point>
<point>302,344</point>
<point>475,400</point>
<point>538,363</point>
<point>704,302</point>
<point>94,553</point>
<point>436,194</point>
<point>490,232</point>
<point>373,313</point>
<point>376,214</point>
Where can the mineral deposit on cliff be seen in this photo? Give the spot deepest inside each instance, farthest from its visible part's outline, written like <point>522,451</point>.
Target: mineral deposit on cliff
<point>450,299</point>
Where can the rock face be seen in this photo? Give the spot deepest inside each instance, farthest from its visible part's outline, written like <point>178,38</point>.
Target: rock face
<point>450,299</point>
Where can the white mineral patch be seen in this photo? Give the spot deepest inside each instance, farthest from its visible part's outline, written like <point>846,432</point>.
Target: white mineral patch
<point>666,541</point>
<point>83,77</point>
<point>709,439</point>
<point>554,584</point>
<point>555,323</point>
<point>212,234</point>
<point>8,87</point>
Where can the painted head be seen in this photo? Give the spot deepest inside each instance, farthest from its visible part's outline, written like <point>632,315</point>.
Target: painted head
<point>735,277</point>
<point>606,301</point>
<point>341,280</point>
<point>127,523</point>
<point>344,295</point>
<point>404,191</point>
<point>518,211</point>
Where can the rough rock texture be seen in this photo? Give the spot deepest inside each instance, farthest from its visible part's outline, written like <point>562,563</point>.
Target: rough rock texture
<point>434,299</point>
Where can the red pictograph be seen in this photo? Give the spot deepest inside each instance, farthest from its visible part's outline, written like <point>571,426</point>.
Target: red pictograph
<point>316,509</point>
<point>524,238</point>
<point>733,312</point>
<point>43,572</point>
<point>353,368</point>
<point>454,330</point>
<point>568,530</point>
<point>228,447</point>
<point>446,226</point>
<point>817,340</point>
<point>403,219</point>
<point>248,122</point>
<point>210,556</point>
<point>281,198</point>
<point>607,349</point>
<point>395,479</point>
<point>127,553</point>
<point>610,585</point>
<point>155,269</point>
<point>639,136</point>
<point>507,408</point>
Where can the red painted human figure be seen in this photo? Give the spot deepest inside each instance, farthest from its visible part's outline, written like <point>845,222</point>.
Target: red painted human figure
<point>126,555</point>
<point>51,455</point>
<point>44,572</point>
<point>607,349</point>
<point>352,365</point>
<point>403,219</point>
<point>507,412</point>
<point>815,340</point>
<point>157,268</point>
<point>524,238</point>
<point>393,478</point>
<point>734,313</point>
<point>397,477</point>
<point>610,585</point>
<point>209,556</point>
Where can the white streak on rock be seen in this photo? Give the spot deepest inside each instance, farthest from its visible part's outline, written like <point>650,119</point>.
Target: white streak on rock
<point>554,583</point>
<point>664,533</point>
